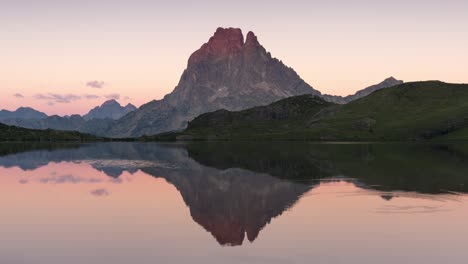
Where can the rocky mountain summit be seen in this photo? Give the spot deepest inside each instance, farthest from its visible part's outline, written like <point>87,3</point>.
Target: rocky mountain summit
<point>110,109</point>
<point>225,73</point>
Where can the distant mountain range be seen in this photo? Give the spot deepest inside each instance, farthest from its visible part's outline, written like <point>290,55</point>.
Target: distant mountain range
<point>97,121</point>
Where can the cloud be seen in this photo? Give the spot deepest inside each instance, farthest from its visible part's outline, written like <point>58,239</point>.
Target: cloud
<point>96,84</point>
<point>18,95</point>
<point>23,181</point>
<point>68,178</point>
<point>58,98</point>
<point>54,98</point>
<point>116,180</point>
<point>114,96</point>
<point>91,96</point>
<point>100,192</point>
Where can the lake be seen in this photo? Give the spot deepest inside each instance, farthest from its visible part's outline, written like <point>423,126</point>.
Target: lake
<point>297,202</point>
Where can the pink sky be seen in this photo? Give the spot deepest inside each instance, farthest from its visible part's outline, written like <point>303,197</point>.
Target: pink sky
<point>140,48</point>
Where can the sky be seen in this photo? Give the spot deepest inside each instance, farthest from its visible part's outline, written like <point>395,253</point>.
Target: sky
<point>65,57</point>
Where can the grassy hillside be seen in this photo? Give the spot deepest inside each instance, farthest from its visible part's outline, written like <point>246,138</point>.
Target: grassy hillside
<point>267,122</point>
<point>410,111</point>
<point>12,133</point>
<point>421,110</point>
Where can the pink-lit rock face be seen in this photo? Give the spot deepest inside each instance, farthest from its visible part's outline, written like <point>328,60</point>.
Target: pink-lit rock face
<point>251,39</point>
<point>225,42</point>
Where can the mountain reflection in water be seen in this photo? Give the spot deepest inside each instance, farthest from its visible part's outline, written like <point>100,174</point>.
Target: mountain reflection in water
<point>234,190</point>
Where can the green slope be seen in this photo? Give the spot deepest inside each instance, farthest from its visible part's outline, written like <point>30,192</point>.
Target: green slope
<point>265,122</point>
<point>411,111</point>
<point>420,110</point>
<point>13,133</point>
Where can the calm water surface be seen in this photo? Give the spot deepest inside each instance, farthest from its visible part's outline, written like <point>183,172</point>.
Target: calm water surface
<point>113,203</point>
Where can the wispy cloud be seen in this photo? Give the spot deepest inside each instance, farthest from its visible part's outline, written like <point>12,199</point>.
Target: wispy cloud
<point>96,84</point>
<point>67,178</point>
<point>23,181</point>
<point>100,192</point>
<point>58,98</point>
<point>116,180</point>
<point>114,96</point>
<point>18,95</point>
<point>91,96</point>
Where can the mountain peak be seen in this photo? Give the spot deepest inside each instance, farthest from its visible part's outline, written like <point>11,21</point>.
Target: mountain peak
<point>251,39</point>
<point>24,108</point>
<point>224,42</point>
<point>390,81</point>
<point>224,73</point>
<point>22,113</point>
<point>110,102</point>
<point>233,34</point>
<point>130,107</point>
<point>109,109</point>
